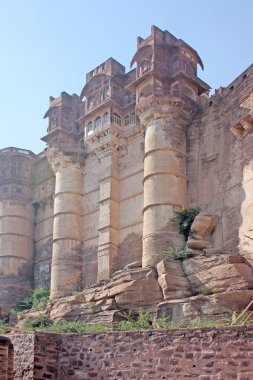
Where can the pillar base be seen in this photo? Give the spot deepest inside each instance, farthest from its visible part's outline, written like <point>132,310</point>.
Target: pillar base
<point>107,259</point>
<point>155,245</point>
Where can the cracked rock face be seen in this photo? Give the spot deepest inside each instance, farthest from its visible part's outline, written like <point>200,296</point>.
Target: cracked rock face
<point>201,230</point>
<point>128,290</point>
<point>199,287</point>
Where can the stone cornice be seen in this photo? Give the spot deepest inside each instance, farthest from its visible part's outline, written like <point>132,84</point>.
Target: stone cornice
<point>58,158</point>
<point>159,107</point>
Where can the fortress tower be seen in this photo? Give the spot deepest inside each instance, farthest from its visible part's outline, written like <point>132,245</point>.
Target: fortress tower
<point>167,92</point>
<point>96,206</point>
<point>16,225</point>
<point>64,154</point>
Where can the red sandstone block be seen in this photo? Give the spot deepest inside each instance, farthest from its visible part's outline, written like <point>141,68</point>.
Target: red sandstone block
<point>245,376</point>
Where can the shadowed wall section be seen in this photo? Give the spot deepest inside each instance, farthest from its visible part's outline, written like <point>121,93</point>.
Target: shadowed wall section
<point>16,226</point>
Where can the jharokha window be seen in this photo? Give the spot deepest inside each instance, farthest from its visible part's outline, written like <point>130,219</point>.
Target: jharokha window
<point>127,120</point>
<point>116,118</point>
<point>97,123</point>
<point>89,127</point>
<point>106,118</point>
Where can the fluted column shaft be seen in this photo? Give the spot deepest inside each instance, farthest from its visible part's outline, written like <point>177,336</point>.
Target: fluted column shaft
<point>165,182</point>
<point>66,274</point>
<point>16,251</point>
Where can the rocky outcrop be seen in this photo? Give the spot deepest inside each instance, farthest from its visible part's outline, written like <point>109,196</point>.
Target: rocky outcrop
<point>222,273</point>
<point>128,290</point>
<point>205,285</point>
<point>219,284</point>
<point>172,280</point>
<point>199,307</point>
<point>201,229</point>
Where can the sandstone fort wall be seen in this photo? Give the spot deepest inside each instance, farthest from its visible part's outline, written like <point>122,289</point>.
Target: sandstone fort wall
<point>209,353</point>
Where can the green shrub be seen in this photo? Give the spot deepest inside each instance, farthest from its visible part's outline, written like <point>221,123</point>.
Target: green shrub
<point>206,290</point>
<point>63,326</point>
<point>40,297</point>
<point>35,323</point>
<point>4,327</point>
<point>141,322</point>
<point>202,289</point>
<point>25,304</point>
<point>185,218</point>
<point>163,323</point>
<point>177,253</point>
<point>95,308</point>
<point>37,300</point>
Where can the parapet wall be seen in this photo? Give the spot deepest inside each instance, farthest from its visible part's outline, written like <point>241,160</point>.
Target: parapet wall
<point>208,353</point>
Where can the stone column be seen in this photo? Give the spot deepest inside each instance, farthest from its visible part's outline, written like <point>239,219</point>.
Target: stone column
<point>165,182</point>
<point>16,227</point>
<point>66,274</point>
<point>108,215</point>
<point>16,251</point>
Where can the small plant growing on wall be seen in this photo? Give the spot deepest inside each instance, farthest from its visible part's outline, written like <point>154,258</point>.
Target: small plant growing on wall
<point>202,289</point>
<point>95,308</point>
<point>177,254</point>
<point>185,218</point>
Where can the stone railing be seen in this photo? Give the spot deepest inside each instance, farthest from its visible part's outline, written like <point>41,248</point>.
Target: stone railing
<point>17,150</point>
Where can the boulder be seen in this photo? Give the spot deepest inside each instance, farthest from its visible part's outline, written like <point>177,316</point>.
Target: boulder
<point>127,290</point>
<point>204,307</point>
<point>172,279</point>
<point>221,273</point>
<point>201,229</point>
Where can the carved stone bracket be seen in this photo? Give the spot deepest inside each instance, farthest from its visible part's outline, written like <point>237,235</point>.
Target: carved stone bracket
<point>108,139</point>
<point>57,159</point>
<point>244,126</point>
<point>155,108</point>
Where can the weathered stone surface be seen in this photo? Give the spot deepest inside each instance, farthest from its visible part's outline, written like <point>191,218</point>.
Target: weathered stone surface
<point>205,262</point>
<point>135,264</point>
<point>202,307</point>
<point>127,290</point>
<point>222,278</point>
<point>201,229</point>
<point>205,354</point>
<point>172,280</point>
<point>220,273</point>
<point>173,267</point>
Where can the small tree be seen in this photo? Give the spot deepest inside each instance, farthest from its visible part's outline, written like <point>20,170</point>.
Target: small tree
<point>185,218</point>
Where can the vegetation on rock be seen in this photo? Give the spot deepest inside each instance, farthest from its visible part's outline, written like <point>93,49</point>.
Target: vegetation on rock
<point>185,218</point>
<point>177,253</point>
<point>142,321</point>
<point>37,300</point>
<point>204,290</point>
<point>4,327</point>
<point>39,322</point>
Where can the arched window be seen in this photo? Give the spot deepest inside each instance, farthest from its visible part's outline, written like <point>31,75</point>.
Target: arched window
<point>127,120</point>
<point>89,127</point>
<point>133,118</point>
<point>97,123</point>
<point>106,118</point>
<point>116,118</point>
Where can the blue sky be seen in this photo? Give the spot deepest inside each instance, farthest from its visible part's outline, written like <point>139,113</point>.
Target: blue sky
<point>47,46</point>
